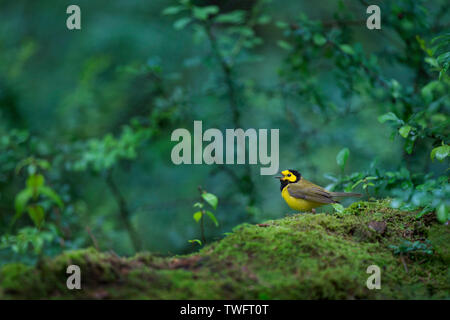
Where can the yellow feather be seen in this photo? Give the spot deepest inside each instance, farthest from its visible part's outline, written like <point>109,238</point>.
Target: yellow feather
<point>298,204</point>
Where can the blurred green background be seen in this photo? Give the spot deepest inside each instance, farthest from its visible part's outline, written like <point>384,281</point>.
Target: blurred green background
<point>99,104</point>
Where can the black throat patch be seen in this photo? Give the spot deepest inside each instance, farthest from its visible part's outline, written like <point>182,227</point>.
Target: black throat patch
<point>283,183</point>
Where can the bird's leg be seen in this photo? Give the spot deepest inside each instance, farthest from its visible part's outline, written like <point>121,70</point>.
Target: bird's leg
<point>313,210</point>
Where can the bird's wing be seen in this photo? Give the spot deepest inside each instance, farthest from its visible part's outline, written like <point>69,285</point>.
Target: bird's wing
<point>311,192</point>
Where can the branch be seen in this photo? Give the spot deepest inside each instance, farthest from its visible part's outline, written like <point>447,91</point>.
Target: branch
<point>124,212</point>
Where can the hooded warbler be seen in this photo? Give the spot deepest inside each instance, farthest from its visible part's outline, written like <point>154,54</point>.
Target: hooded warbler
<point>302,195</point>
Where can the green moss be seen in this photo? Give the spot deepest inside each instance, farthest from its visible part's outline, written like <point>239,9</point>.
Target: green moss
<point>439,236</point>
<point>303,256</point>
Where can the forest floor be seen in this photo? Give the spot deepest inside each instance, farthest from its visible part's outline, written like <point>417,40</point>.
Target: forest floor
<point>301,256</point>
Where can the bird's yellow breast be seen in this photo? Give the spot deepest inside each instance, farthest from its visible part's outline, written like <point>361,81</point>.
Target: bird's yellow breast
<point>298,204</point>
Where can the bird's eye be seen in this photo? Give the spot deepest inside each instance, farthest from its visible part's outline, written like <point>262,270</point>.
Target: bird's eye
<point>289,175</point>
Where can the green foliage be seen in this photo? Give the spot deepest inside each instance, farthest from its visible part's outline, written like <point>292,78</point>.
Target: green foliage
<point>33,197</point>
<point>411,248</point>
<point>210,199</point>
<point>440,152</point>
<point>36,198</point>
<point>338,208</point>
<point>27,236</point>
<point>98,139</point>
<point>103,154</point>
<point>206,199</point>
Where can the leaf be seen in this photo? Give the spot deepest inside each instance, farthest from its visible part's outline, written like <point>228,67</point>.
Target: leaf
<point>197,216</point>
<point>432,62</point>
<point>409,146</point>
<point>442,214</point>
<point>235,17</point>
<point>21,201</point>
<point>339,208</point>
<point>264,19</point>
<point>212,217</point>
<point>36,214</point>
<point>195,241</point>
<point>202,13</point>
<point>172,10</point>
<point>347,49</point>
<point>210,199</point>
<point>440,152</point>
<point>404,131</point>
<point>198,205</point>
<point>427,91</point>
<point>181,23</point>
<point>44,164</point>
<point>284,45</point>
<point>50,193</point>
<point>281,24</point>
<point>424,211</point>
<point>319,39</point>
<point>356,184</point>
<point>34,182</point>
<point>342,157</point>
<point>390,116</point>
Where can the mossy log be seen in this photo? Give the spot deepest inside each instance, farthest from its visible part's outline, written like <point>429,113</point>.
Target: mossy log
<point>302,256</point>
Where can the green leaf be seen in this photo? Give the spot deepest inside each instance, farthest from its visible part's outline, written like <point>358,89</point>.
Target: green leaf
<point>34,182</point>
<point>202,13</point>
<point>390,116</point>
<point>263,19</point>
<point>442,214</point>
<point>339,208</point>
<point>347,49</point>
<point>21,201</point>
<point>356,184</point>
<point>319,39</point>
<point>409,146</point>
<point>210,199</point>
<point>284,45</point>
<point>50,193</point>
<point>36,214</point>
<point>181,23</point>
<point>195,241</point>
<point>44,164</point>
<point>432,62</point>
<point>235,17</point>
<point>197,216</point>
<point>427,91</point>
<point>404,131</point>
<point>172,10</point>
<point>281,24</point>
<point>440,152</point>
<point>198,205</point>
<point>212,217</point>
<point>342,157</point>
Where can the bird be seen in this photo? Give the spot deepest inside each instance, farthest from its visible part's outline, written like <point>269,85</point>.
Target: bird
<point>302,195</point>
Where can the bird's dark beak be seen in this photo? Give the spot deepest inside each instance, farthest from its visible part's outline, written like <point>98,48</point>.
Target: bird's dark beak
<point>278,177</point>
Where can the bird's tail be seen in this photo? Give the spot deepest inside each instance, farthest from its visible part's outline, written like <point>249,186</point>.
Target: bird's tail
<point>345,194</point>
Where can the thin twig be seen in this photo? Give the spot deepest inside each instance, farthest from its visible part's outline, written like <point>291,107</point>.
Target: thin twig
<point>94,240</point>
<point>124,212</point>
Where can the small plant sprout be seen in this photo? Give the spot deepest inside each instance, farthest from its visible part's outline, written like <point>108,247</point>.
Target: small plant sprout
<point>365,184</point>
<point>206,200</point>
<point>36,196</point>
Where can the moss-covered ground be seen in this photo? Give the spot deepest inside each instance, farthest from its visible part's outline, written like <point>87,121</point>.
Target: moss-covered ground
<point>302,256</point>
